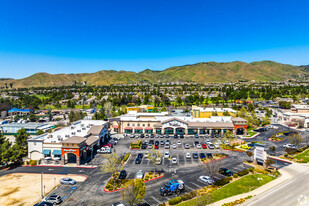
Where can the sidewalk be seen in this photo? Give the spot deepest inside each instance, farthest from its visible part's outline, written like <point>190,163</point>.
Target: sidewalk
<point>285,176</point>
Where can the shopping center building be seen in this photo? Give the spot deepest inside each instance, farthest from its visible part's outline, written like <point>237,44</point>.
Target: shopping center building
<point>162,123</point>
<point>72,144</point>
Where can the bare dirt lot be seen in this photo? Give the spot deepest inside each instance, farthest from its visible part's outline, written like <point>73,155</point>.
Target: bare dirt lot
<point>25,189</point>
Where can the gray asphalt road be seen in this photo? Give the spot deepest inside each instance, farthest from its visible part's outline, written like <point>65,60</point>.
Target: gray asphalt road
<point>292,192</point>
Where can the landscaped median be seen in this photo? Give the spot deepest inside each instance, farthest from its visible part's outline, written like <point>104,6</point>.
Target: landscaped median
<point>125,158</point>
<point>136,145</point>
<point>215,157</point>
<point>300,155</point>
<point>242,182</point>
<point>114,184</point>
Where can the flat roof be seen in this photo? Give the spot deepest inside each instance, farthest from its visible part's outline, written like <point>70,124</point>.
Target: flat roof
<point>25,125</point>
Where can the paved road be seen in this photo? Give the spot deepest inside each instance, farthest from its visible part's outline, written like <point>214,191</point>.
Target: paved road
<point>292,192</point>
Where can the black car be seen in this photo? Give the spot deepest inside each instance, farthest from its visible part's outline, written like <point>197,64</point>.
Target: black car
<point>140,155</point>
<point>162,142</point>
<point>44,204</point>
<point>144,146</point>
<point>157,142</point>
<point>182,136</point>
<point>175,136</point>
<point>152,136</point>
<point>209,155</point>
<point>196,142</point>
<point>161,136</point>
<point>195,155</point>
<point>142,136</point>
<point>225,172</point>
<point>151,141</point>
<point>167,136</point>
<point>137,161</point>
<point>122,175</point>
<point>202,155</point>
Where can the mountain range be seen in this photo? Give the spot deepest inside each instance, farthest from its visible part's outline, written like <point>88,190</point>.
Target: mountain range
<point>205,72</point>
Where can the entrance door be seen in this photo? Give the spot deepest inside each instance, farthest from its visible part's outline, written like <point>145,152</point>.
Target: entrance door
<point>71,158</point>
<point>240,131</point>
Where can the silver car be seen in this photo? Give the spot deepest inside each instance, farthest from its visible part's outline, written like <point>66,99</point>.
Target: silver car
<point>67,181</point>
<point>54,199</point>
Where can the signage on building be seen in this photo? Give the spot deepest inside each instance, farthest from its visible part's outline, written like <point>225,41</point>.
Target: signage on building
<point>174,124</point>
<point>69,150</point>
<point>259,153</point>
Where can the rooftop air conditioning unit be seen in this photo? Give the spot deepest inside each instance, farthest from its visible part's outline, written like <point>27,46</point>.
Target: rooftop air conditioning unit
<point>88,126</point>
<point>67,135</point>
<point>84,128</point>
<point>73,133</point>
<point>79,130</point>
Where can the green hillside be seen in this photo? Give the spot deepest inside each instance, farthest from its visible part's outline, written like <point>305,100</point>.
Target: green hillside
<point>200,73</point>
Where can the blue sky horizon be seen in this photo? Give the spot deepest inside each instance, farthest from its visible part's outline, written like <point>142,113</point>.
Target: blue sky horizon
<point>83,37</point>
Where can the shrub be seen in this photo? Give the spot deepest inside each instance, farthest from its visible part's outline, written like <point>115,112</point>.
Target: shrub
<point>235,175</point>
<point>251,169</point>
<point>222,182</point>
<point>150,173</point>
<point>229,178</point>
<point>162,204</point>
<point>109,186</point>
<point>193,194</point>
<point>33,162</point>
<point>147,177</point>
<point>126,157</point>
<point>243,172</point>
<point>186,197</point>
<point>175,201</point>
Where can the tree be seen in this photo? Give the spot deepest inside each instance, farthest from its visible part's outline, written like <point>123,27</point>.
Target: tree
<point>215,113</point>
<point>112,165</point>
<point>269,162</point>
<point>226,113</point>
<point>295,139</point>
<point>272,149</point>
<point>155,110</point>
<point>250,154</point>
<point>228,135</point>
<point>108,108</point>
<point>153,155</point>
<point>40,132</point>
<point>32,117</point>
<point>163,109</point>
<point>212,168</point>
<point>133,192</point>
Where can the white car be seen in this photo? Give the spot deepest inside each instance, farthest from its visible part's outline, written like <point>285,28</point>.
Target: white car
<point>188,155</point>
<point>207,142</point>
<point>198,146</point>
<point>217,146</point>
<point>167,146</point>
<point>174,146</point>
<point>167,155</point>
<point>174,160</point>
<point>67,181</point>
<point>219,141</point>
<point>187,146</point>
<point>211,146</point>
<point>179,142</point>
<point>146,154</point>
<point>140,174</point>
<point>206,179</point>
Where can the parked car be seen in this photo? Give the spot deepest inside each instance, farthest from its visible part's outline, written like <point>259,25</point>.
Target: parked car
<point>225,172</point>
<point>157,136</point>
<point>167,142</point>
<point>140,155</point>
<point>188,155</point>
<point>54,199</point>
<point>167,146</point>
<point>108,145</point>
<point>209,156</point>
<point>174,160</point>
<point>167,155</point>
<point>122,175</point>
<point>182,136</point>
<point>158,161</point>
<point>139,174</point>
<point>156,146</point>
<point>105,150</point>
<point>204,146</point>
<point>175,136</point>
<point>162,142</point>
<point>149,146</point>
<point>144,146</point>
<point>195,155</point>
<point>202,155</point>
<point>187,146</point>
<point>147,136</point>
<point>67,181</point>
<point>208,142</point>
<point>146,154</point>
<point>142,136</point>
<point>152,136</point>
<point>196,142</point>
<point>289,146</point>
<point>118,204</point>
<point>211,146</point>
<point>217,146</point>
<point>174,146</point>
<point>157,142</point>
<point>198,146</point>
<point>132,135</point>
<point>206,179</point>
<point>196,135</point>
<point>167,136</point>
<point>179,142</point>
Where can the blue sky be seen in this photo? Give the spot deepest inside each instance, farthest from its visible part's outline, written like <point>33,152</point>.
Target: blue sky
<point>57,36</point>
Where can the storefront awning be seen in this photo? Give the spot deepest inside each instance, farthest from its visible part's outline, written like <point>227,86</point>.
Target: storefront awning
<point>115,126</point>
<point>138,128</point>
<point>46,151</point>
<point>128,128</point>
<point>57,152</point>
<point>148,128</point>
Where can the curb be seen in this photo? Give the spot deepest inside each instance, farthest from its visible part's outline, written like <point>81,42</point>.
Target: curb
<point>93,167</point>
<point>124,163</point>
<point>252,136</point>
<point>276,158</point>
<point>134,148</point>
<point>214,160</point>
<point>122,188</point>
<point>233,150</point>
<point>275,140</point>
<point>49,174</point>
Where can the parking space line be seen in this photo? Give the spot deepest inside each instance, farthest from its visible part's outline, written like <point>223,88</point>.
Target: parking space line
<point>190,188</point>
<point>199,186</point>
<point>155,199</point>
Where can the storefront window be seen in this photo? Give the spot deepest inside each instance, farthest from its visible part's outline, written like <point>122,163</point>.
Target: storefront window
<point>148,131</point>
<point>158,131</point>
<point>128,131</point>
<point>115,129</point>
<point>138,131</point>
<point>202,131</point>
<point>192,131</point>
<point>169,131</point>
<point>180,131</point>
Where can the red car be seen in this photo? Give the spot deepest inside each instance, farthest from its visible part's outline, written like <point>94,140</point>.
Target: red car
<point>108,145</point>
<point>156,146</point>
<point>204,146</point>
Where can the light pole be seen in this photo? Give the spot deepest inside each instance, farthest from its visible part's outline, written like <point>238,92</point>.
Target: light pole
<point>42,196</point>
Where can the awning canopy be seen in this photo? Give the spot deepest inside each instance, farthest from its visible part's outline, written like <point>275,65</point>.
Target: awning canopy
<point>138,128</point>
<point>57,152</point>
<point>46,151</point>
<point>128,128</point>
<point>148,128</point>
<point>115,126</point>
